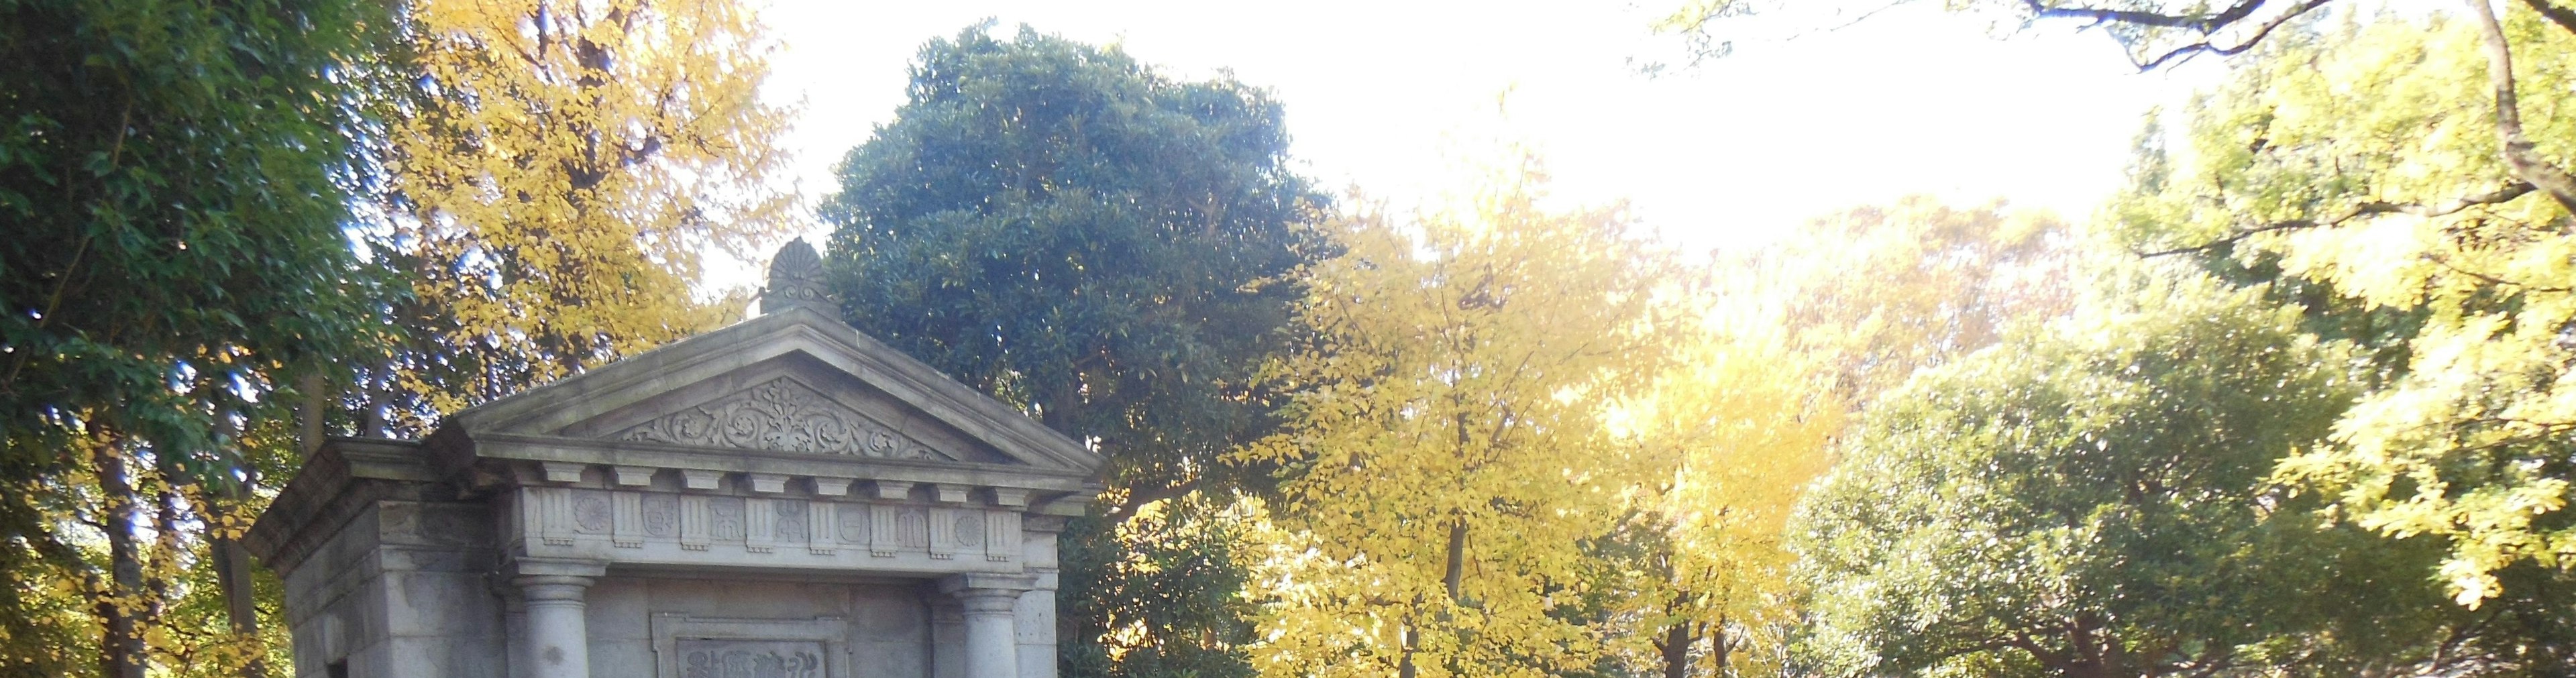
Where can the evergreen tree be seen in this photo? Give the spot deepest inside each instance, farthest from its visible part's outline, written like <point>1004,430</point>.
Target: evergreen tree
<point>1068,230</point>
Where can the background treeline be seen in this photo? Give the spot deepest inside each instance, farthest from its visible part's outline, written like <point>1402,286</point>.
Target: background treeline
<point>230,228</point>
<point>2298,401</point>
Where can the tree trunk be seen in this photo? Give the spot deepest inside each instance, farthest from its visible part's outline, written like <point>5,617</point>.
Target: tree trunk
<point>233,574</point>
<point>232,571</point>
<point>1718,652</point>
<point>2517,150</point>
<point>1675,648</point>
<point>1457,568</point>
<point>225,495</point>
<point>120,646</point>
<point>1404,662</point>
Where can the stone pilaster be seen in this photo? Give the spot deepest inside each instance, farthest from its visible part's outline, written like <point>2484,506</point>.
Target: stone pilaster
<point>992,642</point>
<point>557,644</point>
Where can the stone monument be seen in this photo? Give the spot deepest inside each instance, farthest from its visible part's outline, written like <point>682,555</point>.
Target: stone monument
<point>781,498</point>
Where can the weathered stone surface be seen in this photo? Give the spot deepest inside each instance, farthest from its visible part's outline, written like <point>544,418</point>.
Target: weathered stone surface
<point>783,497</point>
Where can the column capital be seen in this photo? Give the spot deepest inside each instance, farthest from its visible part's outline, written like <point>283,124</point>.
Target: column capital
<point>551,579</point>
<point>987,592</point>
<point>554,567</point>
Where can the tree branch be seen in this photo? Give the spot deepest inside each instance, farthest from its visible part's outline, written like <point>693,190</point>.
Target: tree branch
<point>2564,17</point>
<point>2203,24</point>
<point>2370,208</point>
<point>1137,499</point>
<point>2517,150</point>
<point>2205,47</point>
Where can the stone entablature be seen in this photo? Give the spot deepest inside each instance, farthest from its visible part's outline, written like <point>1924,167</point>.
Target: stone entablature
<point>630,514</point>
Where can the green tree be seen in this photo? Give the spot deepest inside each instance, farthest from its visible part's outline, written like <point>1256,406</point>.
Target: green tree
<point>174,179</point>
<point>2407,175</point>
<point>1064,228</point>
<point>2351,160</point>
<point>2091,497</point>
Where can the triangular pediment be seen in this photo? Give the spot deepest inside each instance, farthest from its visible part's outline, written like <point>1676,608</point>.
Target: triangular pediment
<point>793,382</point>
<point>783,415</point>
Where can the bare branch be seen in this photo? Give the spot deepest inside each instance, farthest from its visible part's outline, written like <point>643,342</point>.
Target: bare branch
<point>2205,47</point>
<point>2518,151</point>
<point>2203,24</point>
<point>2564,17</point>
<point>2445,262</point>
<point>2370,208</point>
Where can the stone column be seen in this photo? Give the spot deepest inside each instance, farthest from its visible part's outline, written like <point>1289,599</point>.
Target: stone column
<point>992,643</point>
<point>558,638</point>
<point>1038,650</point>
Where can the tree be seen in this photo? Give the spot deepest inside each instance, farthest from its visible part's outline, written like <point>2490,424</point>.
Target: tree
<point>552,174</point>
<point>174,180</point>
<point>2336,159</point>
<point>1796,334</point>
<point>2091,497</point>
<point>1445,452</point>
<point>2452,216</point>
<point>1878,292</point>
<point>1065,229</point>
<point>1730,437</point>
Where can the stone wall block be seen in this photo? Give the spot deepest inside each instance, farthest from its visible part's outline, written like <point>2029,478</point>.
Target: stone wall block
<point>437,603</point>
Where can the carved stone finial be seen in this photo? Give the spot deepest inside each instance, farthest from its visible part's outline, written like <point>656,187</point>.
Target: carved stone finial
<point>796,280</point>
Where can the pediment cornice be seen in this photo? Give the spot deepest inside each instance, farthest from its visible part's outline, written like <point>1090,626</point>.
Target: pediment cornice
<point>814,408</point>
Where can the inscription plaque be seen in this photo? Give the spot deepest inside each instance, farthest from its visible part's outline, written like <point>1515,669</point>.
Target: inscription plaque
<point>728,658</point>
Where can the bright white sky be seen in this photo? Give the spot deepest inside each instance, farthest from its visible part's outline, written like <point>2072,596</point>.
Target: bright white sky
<point>1380,94</point>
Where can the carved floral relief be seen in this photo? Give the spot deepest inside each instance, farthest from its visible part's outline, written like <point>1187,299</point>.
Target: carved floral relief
<point>781,415</point>
<point>661,515</point>
<point>854,523</point>
<point>790,526</point>
<point>590,512</point>
<point>725,514</point>
<point>970,530</point>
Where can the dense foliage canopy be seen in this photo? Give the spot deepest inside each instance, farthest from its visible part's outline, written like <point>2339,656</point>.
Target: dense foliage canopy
<point>173,184</point>
<point>1068,230</point>
<point>2090,498</point>
<point>2297,402</point>
<point>2356,158</point>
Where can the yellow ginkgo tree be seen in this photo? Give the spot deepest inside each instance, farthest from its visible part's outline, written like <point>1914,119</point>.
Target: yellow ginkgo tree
<point>1445,454</point>
<point>554,173</point>
<point>1726,443</point>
